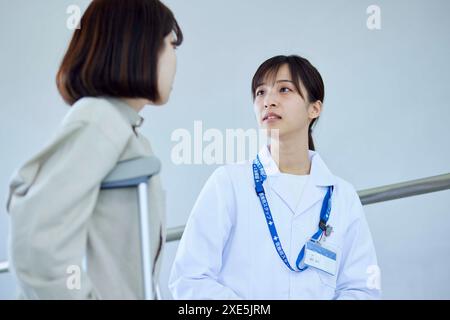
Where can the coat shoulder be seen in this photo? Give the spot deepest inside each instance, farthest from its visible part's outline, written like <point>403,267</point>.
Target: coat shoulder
<point>349,196</point>
<point>100,113</point>
<point>237,171</point>
<point>345,186</point>
<point>91,109</point>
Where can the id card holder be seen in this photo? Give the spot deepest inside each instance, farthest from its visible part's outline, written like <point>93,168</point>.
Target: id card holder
<point>319,257</point>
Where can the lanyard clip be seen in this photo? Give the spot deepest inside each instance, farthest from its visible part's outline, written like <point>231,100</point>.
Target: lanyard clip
<point>326,228</point>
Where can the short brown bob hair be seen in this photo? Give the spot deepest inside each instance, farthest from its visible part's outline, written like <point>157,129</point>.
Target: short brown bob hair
<point>115,52</point>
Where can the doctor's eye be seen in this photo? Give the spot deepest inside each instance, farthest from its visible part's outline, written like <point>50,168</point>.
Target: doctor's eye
<point>259,92</point>
<point>285,89</point>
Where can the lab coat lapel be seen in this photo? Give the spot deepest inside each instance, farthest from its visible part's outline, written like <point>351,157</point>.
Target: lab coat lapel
<point>320,177</point>
<point>283,192</point>
<point>274,181</point>
<point>311,195</point>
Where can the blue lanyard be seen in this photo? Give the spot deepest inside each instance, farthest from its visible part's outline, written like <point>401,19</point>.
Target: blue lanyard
<point>259,176</point>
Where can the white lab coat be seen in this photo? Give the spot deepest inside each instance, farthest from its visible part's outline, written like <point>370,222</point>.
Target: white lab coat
<point>226,251</point>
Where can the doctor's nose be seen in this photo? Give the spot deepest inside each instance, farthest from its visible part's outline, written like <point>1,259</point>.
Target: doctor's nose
<point>269,101</point>
<point>270,105</point>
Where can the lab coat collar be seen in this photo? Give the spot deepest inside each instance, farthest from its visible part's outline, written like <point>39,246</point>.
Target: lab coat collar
<point>319,177</point>
<point>127,111</point>
<point>319,173</point>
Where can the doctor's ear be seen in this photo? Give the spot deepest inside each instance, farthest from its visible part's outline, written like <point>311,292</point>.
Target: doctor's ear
<point>314,109</point>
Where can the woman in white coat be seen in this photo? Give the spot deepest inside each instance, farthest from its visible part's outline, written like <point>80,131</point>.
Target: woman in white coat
<point>281,226</point>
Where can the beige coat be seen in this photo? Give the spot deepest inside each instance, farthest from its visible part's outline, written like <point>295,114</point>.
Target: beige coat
<point>59,216</point>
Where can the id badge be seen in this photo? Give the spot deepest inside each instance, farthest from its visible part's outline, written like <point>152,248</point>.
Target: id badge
<point>319,257</point>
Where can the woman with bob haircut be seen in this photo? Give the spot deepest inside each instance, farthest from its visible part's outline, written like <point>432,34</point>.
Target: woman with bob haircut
<point>121,59</point>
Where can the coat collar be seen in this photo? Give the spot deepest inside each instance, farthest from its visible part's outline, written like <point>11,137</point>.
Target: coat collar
<point>127,112</point>
<point>319,177</point>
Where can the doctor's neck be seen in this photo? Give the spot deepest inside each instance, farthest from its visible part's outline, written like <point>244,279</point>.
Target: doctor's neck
<point>291,154</point>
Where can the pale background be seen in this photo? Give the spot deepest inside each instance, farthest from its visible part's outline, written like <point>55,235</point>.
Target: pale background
<point>386,114</point>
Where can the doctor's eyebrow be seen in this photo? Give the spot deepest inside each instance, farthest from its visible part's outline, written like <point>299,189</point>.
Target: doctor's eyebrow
<point>278,81</point>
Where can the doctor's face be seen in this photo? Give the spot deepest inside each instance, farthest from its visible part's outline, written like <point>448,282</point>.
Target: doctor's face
<point>278,105</point>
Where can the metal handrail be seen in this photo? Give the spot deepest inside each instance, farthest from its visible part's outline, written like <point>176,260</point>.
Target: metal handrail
<point>405,189</point>
<point>367,196</point>
<point>4,266</point>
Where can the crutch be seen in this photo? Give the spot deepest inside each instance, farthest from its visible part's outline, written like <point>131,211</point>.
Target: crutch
<point>136,173</point>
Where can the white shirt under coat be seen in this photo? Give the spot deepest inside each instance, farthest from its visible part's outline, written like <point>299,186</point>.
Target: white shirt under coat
<point>227,252</point>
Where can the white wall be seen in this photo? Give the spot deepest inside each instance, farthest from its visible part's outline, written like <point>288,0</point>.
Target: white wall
<point>385,118</point>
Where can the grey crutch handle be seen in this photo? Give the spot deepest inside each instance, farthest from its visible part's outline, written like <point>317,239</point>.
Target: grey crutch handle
<point>131,173</point>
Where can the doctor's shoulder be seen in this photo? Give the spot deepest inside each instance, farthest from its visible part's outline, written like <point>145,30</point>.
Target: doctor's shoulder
<point>349,199</point>
<point>235,181</point>
<point>238,173</point>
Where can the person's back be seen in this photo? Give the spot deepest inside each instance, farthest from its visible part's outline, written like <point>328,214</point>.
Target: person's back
<point>59,216</point>
<point>70,239</point>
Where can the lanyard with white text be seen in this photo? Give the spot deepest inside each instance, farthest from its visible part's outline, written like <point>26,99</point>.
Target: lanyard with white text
<point>259,176</point>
